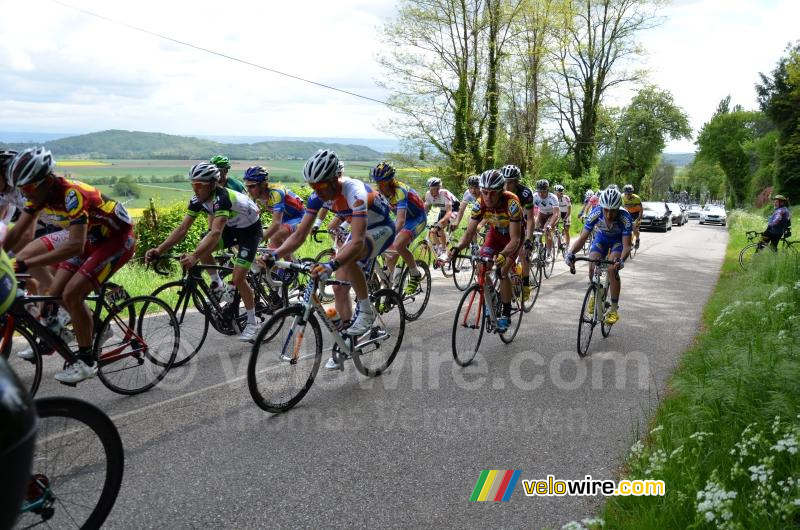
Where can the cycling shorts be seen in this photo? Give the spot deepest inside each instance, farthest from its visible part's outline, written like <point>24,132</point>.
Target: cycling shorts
<point>566,218</point>
<point>415,226</point>
<point>292,225</point>
<point>43,230</point>
<point>606,245</point>
<point>101,259</point>
<point>494,243</point>
<point>247,239</point>
<point>541,219</point>
<point>379,238</point>
<point>54,240</point>
<point>453,215</point>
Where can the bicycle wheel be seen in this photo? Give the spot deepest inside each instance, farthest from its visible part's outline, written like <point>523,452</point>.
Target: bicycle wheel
<point>748,253</point>
<point>376,349</point>
<point>136,345</point>
<point>516,311</point>
<point>549,261</point>
<point>468,326</point>
<point>27,370</point>
<point>447,268</point>
<point>422,251</point>
<point>587,245</point>
<point>191,313</point>
<point>605,329</point>
<point>535,282</point>
<point>463,272</point>
<point>324,256</point>
<point>275,384</point>
<point>415,303</point>
<point>77,466</point>
<point>586,322</point>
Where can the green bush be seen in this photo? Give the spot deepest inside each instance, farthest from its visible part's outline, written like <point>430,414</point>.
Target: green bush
<point>157,223</point>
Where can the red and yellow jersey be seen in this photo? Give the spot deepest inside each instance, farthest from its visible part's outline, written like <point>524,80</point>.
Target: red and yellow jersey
<point>79,203</point>
<point>508,210</point>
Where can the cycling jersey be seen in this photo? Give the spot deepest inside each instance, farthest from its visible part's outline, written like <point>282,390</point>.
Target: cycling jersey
<point>633,205</point>
<point>74,202</point>
<point>356,199</point>
<point>406,198</point>
<point>622,225</point>
<point>238,208</point>
<point>500,217</point>
<point>525,196</point>
<point>13,201</point>
<point>441,200</point>
<point>235,185</point>
<point>281,199</point>
<point>469,198</point>
<point>546,205</point>
<point>564,203</point>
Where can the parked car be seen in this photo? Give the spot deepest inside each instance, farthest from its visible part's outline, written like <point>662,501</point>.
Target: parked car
<point>679,217</point>
<point>713,214</point>
<point>656,217</point>
<point>693,212</point>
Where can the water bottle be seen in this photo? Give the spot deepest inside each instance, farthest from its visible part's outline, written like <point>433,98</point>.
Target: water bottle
<point>334,317</point>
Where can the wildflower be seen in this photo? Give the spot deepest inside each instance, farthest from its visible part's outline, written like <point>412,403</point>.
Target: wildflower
<point>657,429</point>
<point>779,291</point>
<point>573,525</point>
<point>636,449</point>
<point>593,522</point>
<point>788,444</point>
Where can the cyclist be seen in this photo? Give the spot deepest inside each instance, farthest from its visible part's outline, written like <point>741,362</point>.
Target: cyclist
<point>223,163</point>
<point>286,207</point>
<point>410,220</point>
<point>436,196</point>
<point>633,205</point>
<point>590,201</point>
<point>547,205</point>
<point>612,238</point>
<point>11,200</point>
<point>469,198</point>
<point>371,233</point>
<point>511,175</point>
<point>779,222</point>
<point>503,213</point>
<point>233,219</point>
<point>565,209</point>
<point>100,241</point>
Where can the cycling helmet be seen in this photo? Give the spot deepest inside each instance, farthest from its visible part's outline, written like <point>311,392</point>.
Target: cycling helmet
<point>613,187</point>
<point>628,188</point>
<point>558,187</point>
<point>30,166</point>
<point>433,181</point>
<point>322,166</point>
<point>341,169</point>
<point>221,161</point>
<point>611,199</point>
<point>256,174</point>
<point>204,172</point>
<point>5,162</point>
<point>382,172</point>
<point>473,181</point>
<point>588,194</point>
<point>510,172</point>
<point>491,179</point>
<point>542,185</point>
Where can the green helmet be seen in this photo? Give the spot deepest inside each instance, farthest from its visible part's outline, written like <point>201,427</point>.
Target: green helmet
<point>221,161</point>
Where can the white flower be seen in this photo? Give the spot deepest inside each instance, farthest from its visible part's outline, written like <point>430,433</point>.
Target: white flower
<point>657,429</point>
<point>593,522</point>
<point>783,335</point>
<point>636,449</point>
<point>699,435</point>
<point>573,525</point>
<point>788,444</point>
<point>783,306</point>
<point>777,292</point>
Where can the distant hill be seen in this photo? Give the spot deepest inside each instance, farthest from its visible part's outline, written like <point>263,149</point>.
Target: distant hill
<point>144,145</point>
<point>677,159</point>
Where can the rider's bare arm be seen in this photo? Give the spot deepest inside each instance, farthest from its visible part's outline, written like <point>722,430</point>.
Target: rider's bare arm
<point>73,247</point>
<point>21,233</point>
<point>296,240</point>
<point>277,220</point>
<point>209,242</point>
<point>176,236</point>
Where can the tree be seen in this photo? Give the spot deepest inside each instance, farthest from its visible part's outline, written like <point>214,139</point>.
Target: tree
<point>723,140</point>
<point>127,187</point>
<point>642,133</point>
<point>595,39</point>
<point>779,98</point>
<point>705,179</point>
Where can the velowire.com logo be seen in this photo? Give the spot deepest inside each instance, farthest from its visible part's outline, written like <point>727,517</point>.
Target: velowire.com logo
<point>495,485</point>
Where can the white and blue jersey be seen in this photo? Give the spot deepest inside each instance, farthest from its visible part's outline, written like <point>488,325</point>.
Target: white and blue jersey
<point>608,237</point>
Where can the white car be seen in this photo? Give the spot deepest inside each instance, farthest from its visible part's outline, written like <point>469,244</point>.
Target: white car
<point>713,214</point>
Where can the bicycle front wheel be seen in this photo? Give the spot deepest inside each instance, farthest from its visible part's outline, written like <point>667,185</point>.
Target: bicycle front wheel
<point>468,326</point>
<point>463,272</point>
<point>377,349</point>
<point>535,283</point>
<point>415,303</point>
<point>136,345</point>
<point>281,370</point>
<point>549,261</point>
<point>587,320</point>
<point>191,312</point>
<point>749,253</point>
<point>77,466</point>
<point>29,367</point>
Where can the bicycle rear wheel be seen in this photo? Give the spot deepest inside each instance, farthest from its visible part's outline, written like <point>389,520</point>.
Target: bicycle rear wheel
<point>463,272</point>
<point>423,252</point>
<point>376,350</point>
<point>415,304</point>
<point>535,283</point>
<point>136,345</point>
<point>78,466</point>
<point>28,371</point>
<point>516,311</point>
<point>549,261</point>
<point>281,370</point>
<point>587,321</point>
<point>468,325</point>
<point>191,312</point>
<point>749,253</point>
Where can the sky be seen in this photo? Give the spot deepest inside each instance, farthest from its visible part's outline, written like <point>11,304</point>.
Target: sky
<point>78,73</point>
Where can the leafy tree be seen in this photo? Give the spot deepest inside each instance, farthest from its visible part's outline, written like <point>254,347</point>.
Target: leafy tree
<point>705,179</point>
<point>127,187</point>
<point>779,98</point>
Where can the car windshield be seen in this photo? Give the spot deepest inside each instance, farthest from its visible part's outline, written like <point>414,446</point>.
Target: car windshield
<point>657,206</point>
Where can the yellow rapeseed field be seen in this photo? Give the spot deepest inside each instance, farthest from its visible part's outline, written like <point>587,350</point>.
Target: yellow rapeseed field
<point>81,163</point>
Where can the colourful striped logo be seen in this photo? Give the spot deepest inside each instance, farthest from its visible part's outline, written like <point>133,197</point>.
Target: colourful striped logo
<point>495,485</point>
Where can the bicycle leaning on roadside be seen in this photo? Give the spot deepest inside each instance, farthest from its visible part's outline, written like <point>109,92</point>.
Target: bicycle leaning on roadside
<point>285,358</point>
<point>757,245</point>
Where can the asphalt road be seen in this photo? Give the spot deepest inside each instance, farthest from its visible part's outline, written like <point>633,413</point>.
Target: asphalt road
<point>406,449</point>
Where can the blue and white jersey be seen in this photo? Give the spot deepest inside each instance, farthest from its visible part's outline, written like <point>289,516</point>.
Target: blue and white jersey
<point>622,225</point>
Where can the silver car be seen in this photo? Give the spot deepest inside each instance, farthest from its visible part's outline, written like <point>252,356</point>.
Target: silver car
<point>713,214</point>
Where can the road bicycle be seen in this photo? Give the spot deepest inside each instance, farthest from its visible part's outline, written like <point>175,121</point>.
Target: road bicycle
<point>536,264</point>
<point>426,251</point>
<point>479,310</point>
<point>77,470</point>
<point>287,352</point>
<point>196,306</point>
<point>415,302</point>
<point>464,265</point>
<point>757,245</point>
<point>135,339</point>
<point>595,304</point>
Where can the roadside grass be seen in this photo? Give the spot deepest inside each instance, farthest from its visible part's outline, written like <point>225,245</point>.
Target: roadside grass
<point>725,439</point>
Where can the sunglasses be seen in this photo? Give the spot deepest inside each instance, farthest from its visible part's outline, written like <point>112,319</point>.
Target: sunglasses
<point>318,186</point>
<point>251,186</point>
<point>28,189</point>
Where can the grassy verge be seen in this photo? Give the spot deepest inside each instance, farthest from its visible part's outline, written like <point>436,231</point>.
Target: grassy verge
<point>725,440</point>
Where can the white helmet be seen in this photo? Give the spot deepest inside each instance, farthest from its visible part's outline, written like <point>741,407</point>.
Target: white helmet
<point>30,166</point>
<point>204,172</point>
<point>324,165</point>
<point>492,179</point>
<point>433,181</point>
<point>611,199</point>
<point>588,194</point>
<point>340,169</point>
